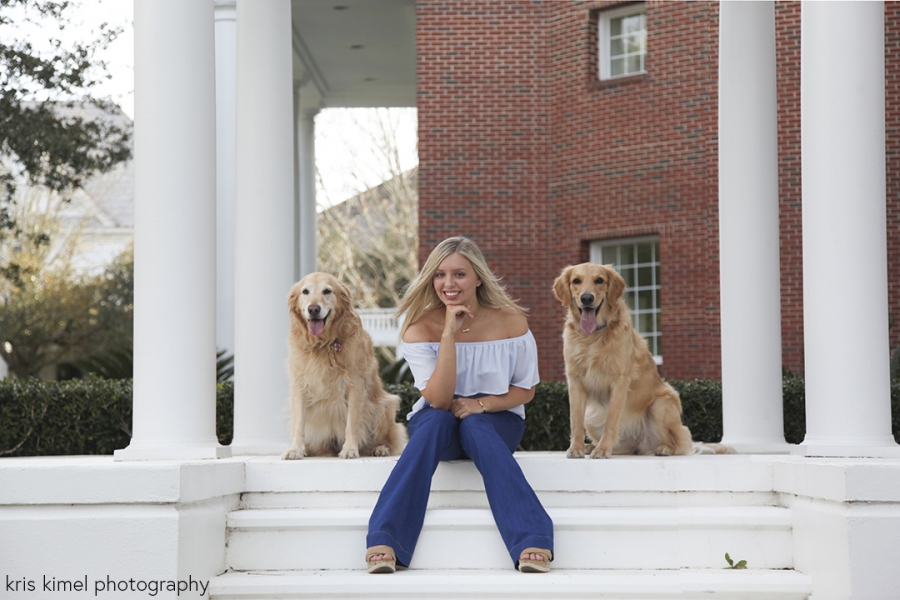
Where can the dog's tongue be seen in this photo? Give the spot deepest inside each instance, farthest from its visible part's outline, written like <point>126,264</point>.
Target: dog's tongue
<point>588,320</point>
<point>316,327</point>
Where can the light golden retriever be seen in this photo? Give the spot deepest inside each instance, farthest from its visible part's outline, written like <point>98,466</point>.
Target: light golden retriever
<point>338,405</point>
<point>616,394</point>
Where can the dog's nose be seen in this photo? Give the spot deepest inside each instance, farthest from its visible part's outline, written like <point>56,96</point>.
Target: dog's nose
<point>314,310</point>
<point>587,299</point>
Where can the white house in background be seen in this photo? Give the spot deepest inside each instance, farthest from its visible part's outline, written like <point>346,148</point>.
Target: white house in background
<point>97,220</point>
<point>103,212</point>
<point>225,96</point>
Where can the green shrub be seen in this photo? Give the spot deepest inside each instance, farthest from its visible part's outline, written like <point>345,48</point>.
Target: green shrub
<point>93,416</point>
<point>79,416</point>
<point>39,418</point>
<point>225,412</point>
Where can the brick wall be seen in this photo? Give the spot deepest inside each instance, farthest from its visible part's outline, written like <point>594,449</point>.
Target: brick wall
<point>524,149</point>
<point>787,64</point>
<point>484,131</point>
<point>892,148</point>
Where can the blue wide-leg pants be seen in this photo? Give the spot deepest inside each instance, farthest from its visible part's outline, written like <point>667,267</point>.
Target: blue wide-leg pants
<point>489,439</point>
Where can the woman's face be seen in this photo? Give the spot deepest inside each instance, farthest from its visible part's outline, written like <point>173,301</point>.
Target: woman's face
<point>455,281</point>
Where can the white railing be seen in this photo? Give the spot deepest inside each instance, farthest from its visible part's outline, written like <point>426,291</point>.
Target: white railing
<point>381,325</point>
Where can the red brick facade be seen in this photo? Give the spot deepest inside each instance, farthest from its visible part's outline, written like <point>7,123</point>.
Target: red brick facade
<point>524,149</point>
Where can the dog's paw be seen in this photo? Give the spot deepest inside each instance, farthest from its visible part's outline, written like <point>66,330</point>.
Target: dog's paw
<point>664,451</point>
<point>382,450</point>
<point>349,452</point>
<point>575,452</point>
<point>601,452</point>
<point>294,454</point>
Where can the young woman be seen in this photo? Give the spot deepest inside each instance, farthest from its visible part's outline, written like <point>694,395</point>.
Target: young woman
<point>475,362</point>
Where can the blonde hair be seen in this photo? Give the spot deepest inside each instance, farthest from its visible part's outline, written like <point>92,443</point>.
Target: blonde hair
<point>420,295</point>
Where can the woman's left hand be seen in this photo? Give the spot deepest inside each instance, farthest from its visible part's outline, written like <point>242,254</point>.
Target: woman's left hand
<point>463,407</point>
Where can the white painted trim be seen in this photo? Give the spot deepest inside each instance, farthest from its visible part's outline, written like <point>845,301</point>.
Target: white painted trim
<point>604,36</point>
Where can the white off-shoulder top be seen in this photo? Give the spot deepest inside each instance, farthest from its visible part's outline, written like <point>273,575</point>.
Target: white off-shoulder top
<point>482,368</point>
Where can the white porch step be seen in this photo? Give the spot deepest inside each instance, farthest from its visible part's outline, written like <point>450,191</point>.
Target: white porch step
<point>629,528</point>
<point>467,538</point>
<point>613,584</point>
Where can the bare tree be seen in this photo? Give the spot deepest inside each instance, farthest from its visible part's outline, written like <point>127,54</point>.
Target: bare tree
<point>370,241</point>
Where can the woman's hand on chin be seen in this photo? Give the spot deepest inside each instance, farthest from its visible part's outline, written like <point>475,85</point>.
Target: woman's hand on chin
<point>455,316</point>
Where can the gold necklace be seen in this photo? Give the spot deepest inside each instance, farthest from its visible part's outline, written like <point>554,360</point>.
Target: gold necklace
<point>470,328</point>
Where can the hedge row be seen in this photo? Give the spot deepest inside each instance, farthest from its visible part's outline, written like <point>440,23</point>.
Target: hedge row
<point>93,416</point>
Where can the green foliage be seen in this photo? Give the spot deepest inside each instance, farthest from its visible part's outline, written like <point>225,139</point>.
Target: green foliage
<point>53,318</point>
<point>44,135</point>
<point>397,371</point>
<point>741,564</point>
<point>547,422</point>
<point>93,416</point>
<point>225,412</point>
<point>794,408</point>
<point>90,416</point>
<point>224,366</point>
<point>67,417</point>
<point>701,405</point>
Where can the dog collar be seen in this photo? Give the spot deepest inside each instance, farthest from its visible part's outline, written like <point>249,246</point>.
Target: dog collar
<point>337,346</point>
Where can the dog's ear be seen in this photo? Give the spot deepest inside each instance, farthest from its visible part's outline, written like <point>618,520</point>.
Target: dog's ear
<point>561,287</point>
<point>294,301</point>
<point>345,299</point>
<point>616,285</point>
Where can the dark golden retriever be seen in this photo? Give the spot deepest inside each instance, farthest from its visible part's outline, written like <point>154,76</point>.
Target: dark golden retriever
<point>616,395</point>
<point>338,405</point>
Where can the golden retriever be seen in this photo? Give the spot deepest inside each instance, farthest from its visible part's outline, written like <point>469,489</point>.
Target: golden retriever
<point>616,394</point>
<point>338,405</point>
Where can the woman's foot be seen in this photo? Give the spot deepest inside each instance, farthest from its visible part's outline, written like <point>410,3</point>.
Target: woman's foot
<point>381,559</point>
<point>534,560</point>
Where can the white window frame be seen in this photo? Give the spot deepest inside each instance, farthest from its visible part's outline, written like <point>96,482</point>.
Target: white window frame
<point>597,257</point>
<point>605,38</point>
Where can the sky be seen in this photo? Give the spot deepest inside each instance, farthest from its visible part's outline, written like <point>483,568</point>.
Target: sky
<point>349,158</point>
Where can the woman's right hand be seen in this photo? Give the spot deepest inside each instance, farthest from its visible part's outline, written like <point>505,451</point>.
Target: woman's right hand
<point>455,316</point>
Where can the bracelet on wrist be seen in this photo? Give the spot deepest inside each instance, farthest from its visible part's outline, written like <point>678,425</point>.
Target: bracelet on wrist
<point>483,409</point>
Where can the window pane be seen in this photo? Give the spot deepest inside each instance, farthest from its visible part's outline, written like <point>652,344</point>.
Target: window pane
<point>634,64</point>
<point>645,253</point>
<point>609,255</point>
<point>645,299</point>
<point>633,44</point>
<point>615,26</point>
<point>642,294</point>
<point>617,66</point>
<point>645,322</point>
<point>633,24</point>
<point>617,47</point>
<point>645,276</point>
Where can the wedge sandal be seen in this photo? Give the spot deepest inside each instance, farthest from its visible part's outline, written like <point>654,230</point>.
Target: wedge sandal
<point>529,565</point>
<point>384,565</point>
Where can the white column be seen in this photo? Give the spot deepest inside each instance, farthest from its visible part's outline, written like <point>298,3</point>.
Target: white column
<point>848,411</point>
<point>307,224</point>
<point>265,225</point>
<point>174,234</point>
<point>749,236</point>
<point>226,129</point>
